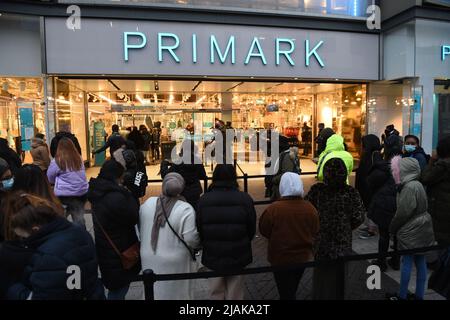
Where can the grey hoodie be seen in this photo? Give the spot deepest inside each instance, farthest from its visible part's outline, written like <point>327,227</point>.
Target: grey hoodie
<point>412,222</point>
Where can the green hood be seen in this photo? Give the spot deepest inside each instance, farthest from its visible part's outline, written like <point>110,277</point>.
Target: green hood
<point>335,143</point>
<point>335,149</point>
<point>409,170</point>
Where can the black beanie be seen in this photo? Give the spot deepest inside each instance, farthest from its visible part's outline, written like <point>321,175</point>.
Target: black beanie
<point>111,170</point>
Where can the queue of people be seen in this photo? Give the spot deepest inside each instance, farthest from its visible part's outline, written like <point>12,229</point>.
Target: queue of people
<point>399,189</point>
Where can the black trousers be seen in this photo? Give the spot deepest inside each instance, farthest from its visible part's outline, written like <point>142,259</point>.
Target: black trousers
<point>383,243</point>
<point>287,283</point>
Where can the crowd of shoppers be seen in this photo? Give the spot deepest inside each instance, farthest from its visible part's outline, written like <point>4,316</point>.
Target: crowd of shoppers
<point>399,188</point>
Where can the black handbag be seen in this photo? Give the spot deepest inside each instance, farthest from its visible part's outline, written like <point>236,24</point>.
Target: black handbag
<point>440,278</point>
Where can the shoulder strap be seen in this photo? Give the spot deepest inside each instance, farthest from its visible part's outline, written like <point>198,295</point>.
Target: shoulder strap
<point>319,165</point>
<point>191,252</point>
<point>107,236</point>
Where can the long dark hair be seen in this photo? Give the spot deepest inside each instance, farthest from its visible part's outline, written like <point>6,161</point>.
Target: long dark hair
<point>26,211</point>
<point>30,179</point>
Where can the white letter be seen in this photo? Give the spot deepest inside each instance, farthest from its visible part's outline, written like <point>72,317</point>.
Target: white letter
<point>374,20</point>
<point>74,21</point>
<point>74,280</point>
<point>374,281</point>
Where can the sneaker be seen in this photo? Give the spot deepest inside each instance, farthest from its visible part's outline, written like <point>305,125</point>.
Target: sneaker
<point>363,229</point>
<point>411,296</point>
<point>380,263</point>
<point>394,263</point>
<point>366,235</point>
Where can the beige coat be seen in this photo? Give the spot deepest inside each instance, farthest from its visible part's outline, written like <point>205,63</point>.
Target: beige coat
<point>40,154</point>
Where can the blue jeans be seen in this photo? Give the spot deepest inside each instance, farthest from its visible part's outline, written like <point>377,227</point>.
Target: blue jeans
<point>421,277</point>
<point>118,294</point>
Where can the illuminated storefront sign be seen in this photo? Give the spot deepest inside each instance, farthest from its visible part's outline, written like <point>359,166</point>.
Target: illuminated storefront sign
<point>163,48</point>
<point>170,43</point>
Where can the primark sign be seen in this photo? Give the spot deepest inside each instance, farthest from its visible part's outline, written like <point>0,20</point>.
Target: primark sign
<point>284,48</point>
<point>136,47</point>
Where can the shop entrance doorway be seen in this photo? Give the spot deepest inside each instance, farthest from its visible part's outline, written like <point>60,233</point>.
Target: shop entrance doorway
<point>294,109</point>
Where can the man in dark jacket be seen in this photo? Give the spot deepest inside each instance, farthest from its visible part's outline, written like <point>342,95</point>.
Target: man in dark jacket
<point>191,169</point>
<point>51,246</point>
<point>382,207</point>
<point>136,137</point>
<point>116,211</point>
<point>114,142</point>
<point>226,222</point>
<point>58,137</point>
<point>383,204</point>
<point>436,178</point>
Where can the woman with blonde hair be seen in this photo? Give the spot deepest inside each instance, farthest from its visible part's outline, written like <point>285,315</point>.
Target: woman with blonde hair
<point>68,174</point>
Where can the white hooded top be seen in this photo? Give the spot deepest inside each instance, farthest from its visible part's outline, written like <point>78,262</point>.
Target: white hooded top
<point>291,185</point>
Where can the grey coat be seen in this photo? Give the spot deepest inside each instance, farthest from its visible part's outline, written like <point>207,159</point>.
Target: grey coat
<point>412,223</point>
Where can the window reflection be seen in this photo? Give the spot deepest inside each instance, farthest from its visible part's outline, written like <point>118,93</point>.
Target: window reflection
<point>354,8</point>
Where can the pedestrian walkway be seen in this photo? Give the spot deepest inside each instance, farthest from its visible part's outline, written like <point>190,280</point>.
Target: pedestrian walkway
<point>262,286</point>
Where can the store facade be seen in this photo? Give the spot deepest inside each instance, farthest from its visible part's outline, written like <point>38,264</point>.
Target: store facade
<point>178,53</point>
<point>22,112</point>
<point>141,65</point>
<point>416,53</point>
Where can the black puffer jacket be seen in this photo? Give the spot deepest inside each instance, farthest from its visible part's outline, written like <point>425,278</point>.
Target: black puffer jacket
<point>371,143</point>
<point>436,178</point>
<point>383,204</point>
<point>59,136</point>
<point>118,212</point>
<point>192,174</point>
<point>55,247</point>
<point>226,221</point>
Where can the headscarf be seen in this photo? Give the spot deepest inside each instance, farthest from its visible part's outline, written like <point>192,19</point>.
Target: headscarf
<point>335,173</point>
<point>291,185</point>
<point>172,186</point>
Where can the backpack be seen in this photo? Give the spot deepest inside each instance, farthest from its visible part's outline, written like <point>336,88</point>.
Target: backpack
<point>135,178</point>
<point>268,179</point>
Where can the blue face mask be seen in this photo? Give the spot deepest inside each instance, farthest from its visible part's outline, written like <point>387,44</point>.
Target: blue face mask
<point>7,184</point>
<point>410,148</point>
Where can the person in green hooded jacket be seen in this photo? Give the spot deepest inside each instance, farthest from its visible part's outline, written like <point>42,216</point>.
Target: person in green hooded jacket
<point>335,149</point>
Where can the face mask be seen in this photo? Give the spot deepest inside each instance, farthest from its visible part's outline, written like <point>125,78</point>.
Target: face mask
<point>410,148</point>
<point>7,184</point>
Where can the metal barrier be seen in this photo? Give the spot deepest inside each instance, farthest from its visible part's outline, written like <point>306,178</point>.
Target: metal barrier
<point>244,177</point>
<point>150,278</point>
